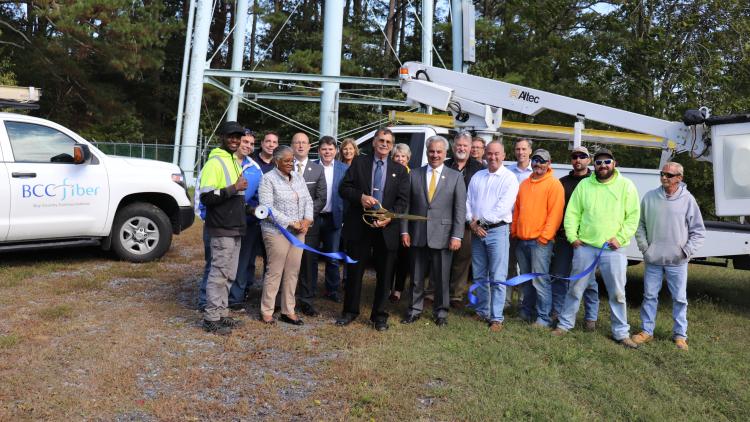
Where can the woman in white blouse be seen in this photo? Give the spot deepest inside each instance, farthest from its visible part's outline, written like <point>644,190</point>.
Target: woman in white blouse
<point>285,193</point>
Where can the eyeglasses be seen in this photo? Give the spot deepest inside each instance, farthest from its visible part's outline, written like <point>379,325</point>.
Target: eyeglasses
<point>579,157</point>
<point>668,175</point>
<point>538,161</point>
<point>608,161</point>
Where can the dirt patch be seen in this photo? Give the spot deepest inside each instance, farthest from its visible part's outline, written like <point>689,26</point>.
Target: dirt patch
<point>130,347</point>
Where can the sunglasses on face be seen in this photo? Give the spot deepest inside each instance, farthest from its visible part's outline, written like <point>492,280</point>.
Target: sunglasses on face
<point>579,157</point>
<point>538,161</point>
<point>668,175</point>
<point>608,161</point>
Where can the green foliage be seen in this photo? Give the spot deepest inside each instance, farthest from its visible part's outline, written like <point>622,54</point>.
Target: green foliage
<point>86,55</point>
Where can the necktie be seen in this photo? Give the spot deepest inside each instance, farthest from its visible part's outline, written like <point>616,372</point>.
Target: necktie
<point>377,186</point>
<point>299,168</point>
<point>433,184</point>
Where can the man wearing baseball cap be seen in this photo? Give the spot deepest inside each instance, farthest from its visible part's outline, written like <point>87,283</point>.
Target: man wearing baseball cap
<point>537,215</point>
<point>222,189</point>
<point>562,252</point>
<point>604,209</point>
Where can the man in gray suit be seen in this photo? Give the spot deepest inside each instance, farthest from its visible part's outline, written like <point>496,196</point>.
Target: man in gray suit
<point>438,193</point>
<point>315,179</point>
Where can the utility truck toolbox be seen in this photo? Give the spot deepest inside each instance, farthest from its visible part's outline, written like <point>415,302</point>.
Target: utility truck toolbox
<point>57,190</point>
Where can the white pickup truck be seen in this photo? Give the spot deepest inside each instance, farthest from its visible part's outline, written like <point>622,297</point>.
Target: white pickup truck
<point>58,190</point>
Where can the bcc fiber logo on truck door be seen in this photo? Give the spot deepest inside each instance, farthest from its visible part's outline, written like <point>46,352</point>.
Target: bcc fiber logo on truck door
<point>67,193</point>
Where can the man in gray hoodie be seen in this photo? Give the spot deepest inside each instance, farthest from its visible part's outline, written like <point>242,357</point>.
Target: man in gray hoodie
<point>670,231</point>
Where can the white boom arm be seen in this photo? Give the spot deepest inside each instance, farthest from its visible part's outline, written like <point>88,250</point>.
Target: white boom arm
<point>477,103</point>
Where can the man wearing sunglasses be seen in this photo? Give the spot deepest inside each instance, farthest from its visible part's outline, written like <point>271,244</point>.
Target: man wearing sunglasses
<point>669,232</point>
<point>537,215</point>
<point>603,208</point>
<point>562,253</point>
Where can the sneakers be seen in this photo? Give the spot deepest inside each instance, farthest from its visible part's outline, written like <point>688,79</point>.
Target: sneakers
<point>628,343</point>
<point>681,343</point>
<point>589,325</point>
<point>216,327</point>
<point>230,322</point>
<point>642,337</point>
<point>496,326</point>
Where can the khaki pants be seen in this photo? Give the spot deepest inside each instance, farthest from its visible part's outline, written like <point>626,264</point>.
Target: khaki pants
<point>225,251</point>
<point>282,270</point>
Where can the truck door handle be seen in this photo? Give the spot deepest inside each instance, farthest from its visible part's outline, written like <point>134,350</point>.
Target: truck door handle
<point>23,175</point>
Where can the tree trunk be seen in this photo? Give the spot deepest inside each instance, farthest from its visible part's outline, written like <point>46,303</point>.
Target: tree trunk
<point>253,30</point>
<point>275,49</point>
<point>402,26</point>
<point>356,18</point>
<point>217,31</point>
<point>390,22</point>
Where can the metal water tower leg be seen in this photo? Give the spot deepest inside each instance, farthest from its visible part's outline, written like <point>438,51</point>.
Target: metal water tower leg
<point>333,29</point>
<point>183,83</point>
<point>198,65</point>
<point>238,53</point>
<point>457,33</point>
<point>427,14</point>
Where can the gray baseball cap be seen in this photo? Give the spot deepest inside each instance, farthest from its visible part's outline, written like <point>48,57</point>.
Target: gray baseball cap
<point>580,150</point>
<point>542,153</point>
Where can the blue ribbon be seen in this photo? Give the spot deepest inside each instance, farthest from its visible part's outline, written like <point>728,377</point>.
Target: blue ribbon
<point>296,243</point>
<point>522,278</point>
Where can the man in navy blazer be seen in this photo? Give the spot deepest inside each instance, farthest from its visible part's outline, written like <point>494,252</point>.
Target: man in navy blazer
<point>331,217</point>
<point>372,181</point>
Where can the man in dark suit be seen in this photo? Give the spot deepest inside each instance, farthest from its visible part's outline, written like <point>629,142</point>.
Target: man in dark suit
<point>370,181</point>
<point>438,193</point>
<point>331,217</point>
<point>314,176</point>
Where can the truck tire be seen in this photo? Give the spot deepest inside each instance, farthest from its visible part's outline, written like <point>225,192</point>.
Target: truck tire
<point>141,232</point>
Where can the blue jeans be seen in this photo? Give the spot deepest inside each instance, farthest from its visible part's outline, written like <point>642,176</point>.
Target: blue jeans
<point>613,267</point>
<point>250,248</point>
<point>534,257</point>
<point>677,283</point>
<point>562,261</point>
<point>206,268</point>
<point>489,260</point>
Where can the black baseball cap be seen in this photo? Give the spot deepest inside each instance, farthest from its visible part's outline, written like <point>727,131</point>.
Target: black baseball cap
<point>603,151</point>
<point>228,128</point>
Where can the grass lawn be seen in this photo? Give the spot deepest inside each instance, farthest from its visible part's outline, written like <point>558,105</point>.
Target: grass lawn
<point>85,337</point>
<point>465,372</point>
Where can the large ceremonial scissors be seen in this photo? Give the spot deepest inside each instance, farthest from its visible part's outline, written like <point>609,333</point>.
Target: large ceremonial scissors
<point>379,213</point>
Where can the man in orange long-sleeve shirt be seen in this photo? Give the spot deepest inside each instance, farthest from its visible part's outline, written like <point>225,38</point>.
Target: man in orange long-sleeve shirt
<point>536,217</point>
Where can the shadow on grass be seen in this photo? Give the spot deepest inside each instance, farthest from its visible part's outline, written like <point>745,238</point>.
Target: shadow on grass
<point>72,255</point>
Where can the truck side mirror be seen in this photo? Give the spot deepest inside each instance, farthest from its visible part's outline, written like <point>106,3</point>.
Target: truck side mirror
<point>81,154</point>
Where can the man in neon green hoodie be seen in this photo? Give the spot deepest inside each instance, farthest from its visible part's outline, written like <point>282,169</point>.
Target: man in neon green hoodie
<point>603,208</point>
<point>222,189</point>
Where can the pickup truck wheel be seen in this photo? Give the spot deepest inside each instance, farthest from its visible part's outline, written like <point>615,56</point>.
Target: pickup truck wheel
<point>141,232</point>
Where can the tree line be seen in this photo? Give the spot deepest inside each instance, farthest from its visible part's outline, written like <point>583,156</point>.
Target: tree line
<point>110,69</point>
